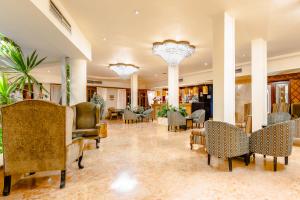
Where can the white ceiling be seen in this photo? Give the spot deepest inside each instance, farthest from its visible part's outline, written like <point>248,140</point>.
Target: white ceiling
<point>129,37</point>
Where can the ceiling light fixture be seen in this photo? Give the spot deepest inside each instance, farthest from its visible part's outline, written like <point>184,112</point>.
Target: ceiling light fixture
<point>205,63</point>
<point>173,52</point>
<point>136,12</point>
<point>104,38</point>
<point>123,70</point>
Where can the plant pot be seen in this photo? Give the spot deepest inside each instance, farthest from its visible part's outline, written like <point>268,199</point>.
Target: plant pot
<point>162,121</point>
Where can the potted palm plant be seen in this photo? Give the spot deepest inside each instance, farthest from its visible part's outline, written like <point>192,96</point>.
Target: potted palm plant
<point>17,65</point>
<point>16,73</point>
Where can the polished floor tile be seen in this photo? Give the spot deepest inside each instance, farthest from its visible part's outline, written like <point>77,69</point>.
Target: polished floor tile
<point>145,161</point>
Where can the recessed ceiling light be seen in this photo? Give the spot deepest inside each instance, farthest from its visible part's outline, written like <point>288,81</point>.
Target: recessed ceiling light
<point>48,71</point>
<point>136,12</point>
<point>205,63</point>
<point>244,55</point>
<point>104,38</point>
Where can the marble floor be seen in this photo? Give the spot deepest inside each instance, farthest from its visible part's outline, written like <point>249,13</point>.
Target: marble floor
<point>145,161</point>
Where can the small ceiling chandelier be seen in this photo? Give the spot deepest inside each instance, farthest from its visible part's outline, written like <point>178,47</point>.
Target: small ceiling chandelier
<point>123,70</point>
<point>173,52</point>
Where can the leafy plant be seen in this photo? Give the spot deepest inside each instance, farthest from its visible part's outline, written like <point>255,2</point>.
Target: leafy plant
<point>97,99</point>
<point>6,90</point>
<point>164,110</point>
<point>17,65</point>
<point>68,85</point>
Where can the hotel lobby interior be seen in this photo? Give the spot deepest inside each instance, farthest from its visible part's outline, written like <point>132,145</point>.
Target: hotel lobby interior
<point>161,99</point>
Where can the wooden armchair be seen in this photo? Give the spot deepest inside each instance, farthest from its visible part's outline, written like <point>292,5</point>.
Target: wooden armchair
<point>37,136</point>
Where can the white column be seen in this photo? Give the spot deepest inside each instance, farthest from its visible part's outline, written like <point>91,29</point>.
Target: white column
<point>173,85</point>
<point>63,81</point>
<point>134,90</point>
<point>78,80</point>
<point>224,68</point>
<point>259,83</point>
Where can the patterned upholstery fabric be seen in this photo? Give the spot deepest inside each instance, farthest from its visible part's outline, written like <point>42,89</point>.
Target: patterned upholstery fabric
<point>225,140</point>
<point>281,107</point>
<point>296,134</point>
<point>278,117</point>
<point>86,119</point>
<point>147,114</point>
<point>198,116</point>
<point>295,110</point>
<point>129,115</point>
<point>175,119</point>
<point>37,136</point>
<point>274,140</point>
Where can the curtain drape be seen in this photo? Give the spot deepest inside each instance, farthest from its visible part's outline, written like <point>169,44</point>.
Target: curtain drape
<point>102,92</point>
<point>55,93</point>
<point>121,99</point>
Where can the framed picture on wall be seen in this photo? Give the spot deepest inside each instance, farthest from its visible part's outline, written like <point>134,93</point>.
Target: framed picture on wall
<point>111,97</point>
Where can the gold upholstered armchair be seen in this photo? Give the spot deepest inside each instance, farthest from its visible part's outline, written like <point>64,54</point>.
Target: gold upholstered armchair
<point>37,136</point>
<point>86,121</point>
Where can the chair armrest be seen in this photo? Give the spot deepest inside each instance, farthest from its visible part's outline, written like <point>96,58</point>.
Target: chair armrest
<point>69,125</point>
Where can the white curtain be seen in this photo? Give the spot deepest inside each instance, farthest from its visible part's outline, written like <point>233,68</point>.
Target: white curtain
<point>151,95</point>
<point>102,92</point>
<point>55,93</point>
<point>121,99</point>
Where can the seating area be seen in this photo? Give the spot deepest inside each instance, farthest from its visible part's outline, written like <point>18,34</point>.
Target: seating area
<point>159,100</point>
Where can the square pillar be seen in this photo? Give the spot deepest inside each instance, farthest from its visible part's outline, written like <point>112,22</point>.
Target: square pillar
<point>173,85</point>
<point>134,90</point>
<point>259,83</point>
<point>224,68</point>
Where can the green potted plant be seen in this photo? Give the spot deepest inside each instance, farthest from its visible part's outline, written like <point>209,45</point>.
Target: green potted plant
<point>97,99</point>
<point>17,65</point>
<point>162,113</point>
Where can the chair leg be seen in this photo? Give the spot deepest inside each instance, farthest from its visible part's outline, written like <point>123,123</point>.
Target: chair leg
<point>62,179</point>
<point>264,156</point>
<point>230,164</point>
<point>275,164</point>
<point>208,159</point>
<point>286,160</point>
<point>97,142</point>
<point>246,159</point>
<point>7,184</point>
<point>80,166</point>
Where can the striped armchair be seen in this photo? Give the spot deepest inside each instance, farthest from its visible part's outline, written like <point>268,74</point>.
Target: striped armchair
<point>224,140</point>
<point>275,140</point>
<point>198,117</point>
<point>131,116</point>
<point>296,140</point>
<point>175,119</point>
<point>278,117</point>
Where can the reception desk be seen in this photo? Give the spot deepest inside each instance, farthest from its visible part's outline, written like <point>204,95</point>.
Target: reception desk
<point>157,107</point>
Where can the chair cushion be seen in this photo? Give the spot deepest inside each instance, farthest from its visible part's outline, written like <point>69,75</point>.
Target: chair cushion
<point>85,116</point>
<point>85,133</point>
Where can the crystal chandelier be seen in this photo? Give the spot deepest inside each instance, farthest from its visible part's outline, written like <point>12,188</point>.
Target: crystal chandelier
<point>173,52</point>
<point>123,70</point>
